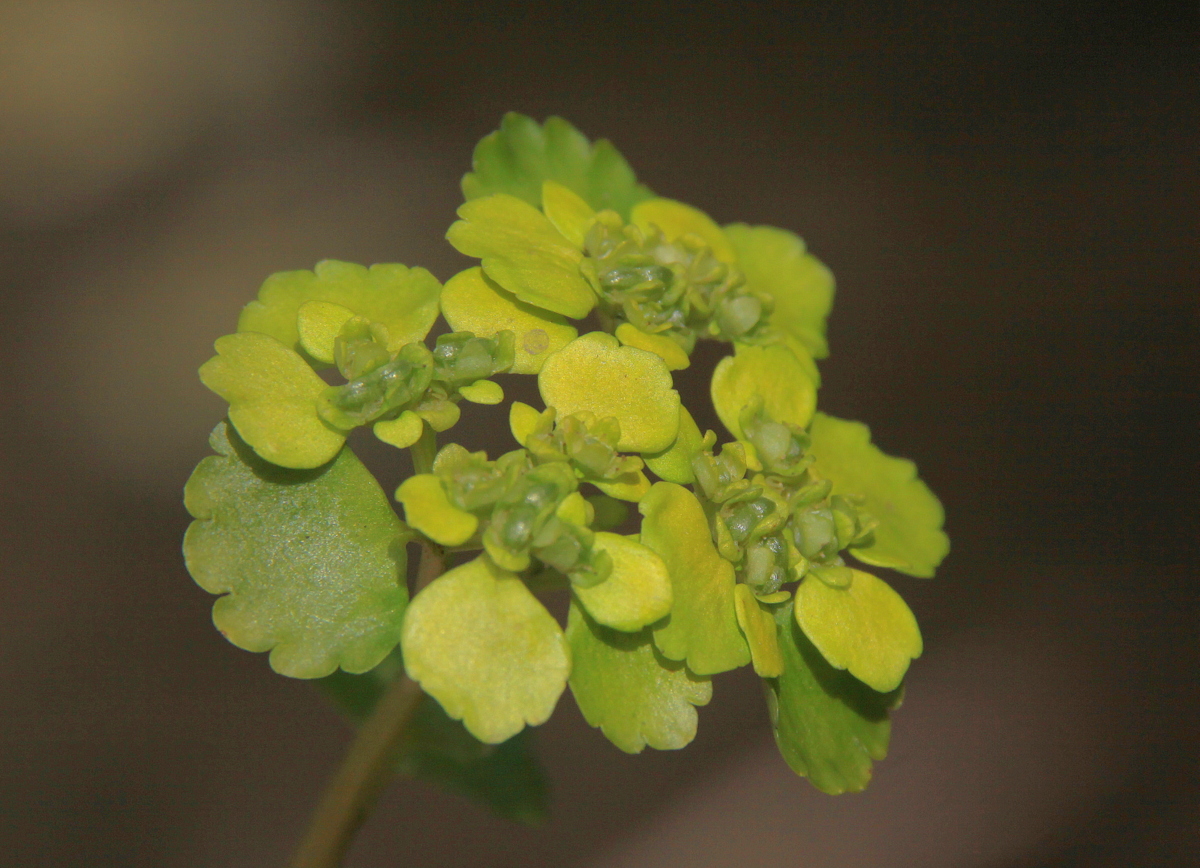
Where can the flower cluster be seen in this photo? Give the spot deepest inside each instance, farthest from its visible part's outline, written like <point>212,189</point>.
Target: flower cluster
<point>735,555</point>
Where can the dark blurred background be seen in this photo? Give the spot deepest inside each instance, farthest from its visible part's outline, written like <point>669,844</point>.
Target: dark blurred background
<point>1006,192</point>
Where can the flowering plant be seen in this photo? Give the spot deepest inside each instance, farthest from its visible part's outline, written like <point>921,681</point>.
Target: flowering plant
<point>736,552</point>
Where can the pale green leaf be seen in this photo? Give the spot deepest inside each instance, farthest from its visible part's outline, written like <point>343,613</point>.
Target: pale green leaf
<point>272,395</point>
<point>674,464</point>
<point>662,346</point>
<point>571,216</point>
<point>909,537</point>
<point>638,590</point>
<point>702,628</point>
<point>828,725</point>
<point>401,432</point>
<point>403,300</point>
<point>595,374</point>
<point>631,692</point>
<point>522,251</point>
<point>480,643</point>
<point>773,373</point>
<point>472,302</point>
<point>758,626</point>
<point>482,392</point>
<point>677,220</point>
<point>776,263</point>
<point>311,562</point>
<point>522,154</point>
<point>428,509</point>
<point>319,323</point>
<point>865,628</point>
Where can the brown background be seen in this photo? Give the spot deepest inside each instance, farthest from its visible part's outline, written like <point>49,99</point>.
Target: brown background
<point>1006,193</point>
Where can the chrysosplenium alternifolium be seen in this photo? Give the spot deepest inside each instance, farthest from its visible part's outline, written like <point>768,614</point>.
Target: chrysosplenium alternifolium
<point>740,555</point>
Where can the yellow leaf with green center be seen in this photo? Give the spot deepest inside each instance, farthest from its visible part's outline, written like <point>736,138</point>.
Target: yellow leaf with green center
<point>674,464</point>
<point>429,510</point>
<point>401,432</point>
<point>571,216</point>
<point>471,302</point>
<point>758,626</point>
<point>311,563</point>
<point>633,694</point>
<point>403,300</point>
<point>272,395</point>
<point>909,537</point>
<point>677,220</point>
<point>772,373</point>
<point>776,263</point>
<point>480,643</point>
<point>661,345</point>
<point>702,628</point>
<point>865,628</point>
<point>638,590</point>
<point>828,725</point>
<point>595,374</point>
<point>522,251</point>
<point>319,323</point>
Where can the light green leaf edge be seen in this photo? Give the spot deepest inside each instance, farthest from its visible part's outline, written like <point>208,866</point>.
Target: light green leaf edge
<point>521,155</point>
<point>909,537</point>
<point>311,563</point>
<point>627,689</point>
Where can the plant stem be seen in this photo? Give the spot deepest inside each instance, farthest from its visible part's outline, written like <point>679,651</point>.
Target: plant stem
<point>367,768</point>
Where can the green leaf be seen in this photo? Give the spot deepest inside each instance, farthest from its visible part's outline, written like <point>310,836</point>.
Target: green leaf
<point>595,374</point>
<point>828,725</point>
<point>471,302</point>
<point>702,628</point>
<point>758,626</point>
<point>638,590</point>
<point>909,537</point>
<point>776,263</point>
<point>272,395</point>
<point>480,644</point>
<point>631,692</point>
<point>403,300</point>
<point>506,777</point>
<point>662,346</point>
<point>523,252</point>
<point>427,508</point>
<point>674,464</point>
<point>571,216</point>
<point>311,563</point>
<point>773,373</point>
<point>518,157</point>
<point>864,627</point>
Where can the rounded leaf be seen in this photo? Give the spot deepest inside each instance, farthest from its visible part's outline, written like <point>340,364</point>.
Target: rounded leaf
<point>631,692</point>
<point>319,323</point>
<point>311,562</point>
<point>865,628</point>
<point>675,463</point>
<point>909,537</point>
<point>429,510</point>
<point>518,157</point>
<point>776,264</point>
<point>661,345</point>
<point>772,373</point>
<point>401,432</point>
<point>480,643</point>
<point>638,590</point>
<point>523,252</point>
<point>272,395</point>
<point>595,374</point>
<point>472,302</point>
<point>403,300</point>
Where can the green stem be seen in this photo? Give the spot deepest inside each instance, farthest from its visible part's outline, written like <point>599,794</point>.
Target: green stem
<point>424,450</point>
<point>368,766</point>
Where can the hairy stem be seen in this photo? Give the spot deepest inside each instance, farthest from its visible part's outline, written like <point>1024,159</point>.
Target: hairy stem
<point>352,792</point>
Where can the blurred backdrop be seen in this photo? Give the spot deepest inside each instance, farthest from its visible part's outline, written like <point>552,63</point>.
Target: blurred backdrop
<point>1006,192</point>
